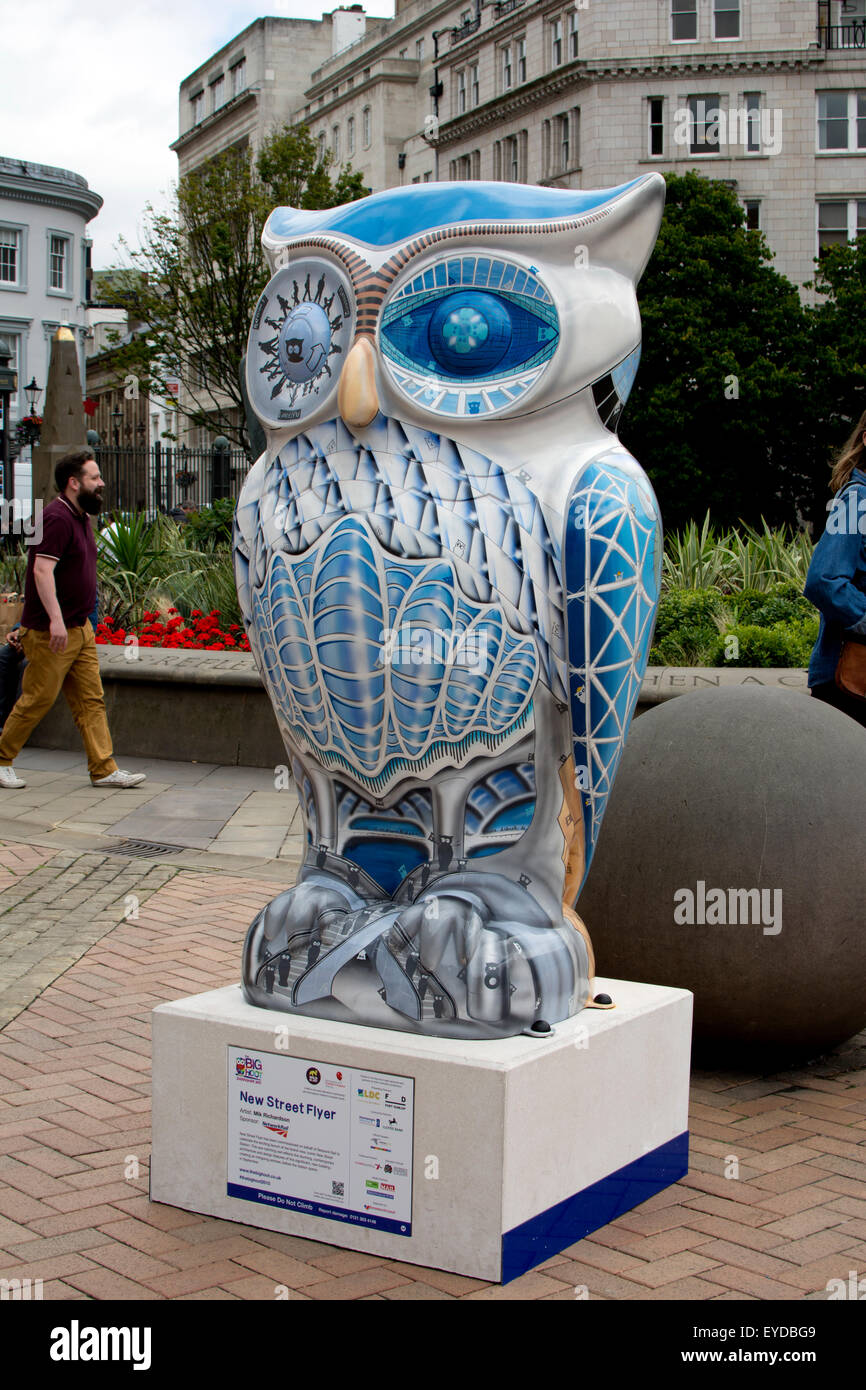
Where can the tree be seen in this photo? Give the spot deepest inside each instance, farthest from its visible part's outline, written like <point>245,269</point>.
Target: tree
<point>200,269</point>
<point>839,347</point>
<point>722,416</point>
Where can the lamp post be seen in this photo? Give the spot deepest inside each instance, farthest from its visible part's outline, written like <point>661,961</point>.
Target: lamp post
<point>116,417</point>
<point>8,384</point>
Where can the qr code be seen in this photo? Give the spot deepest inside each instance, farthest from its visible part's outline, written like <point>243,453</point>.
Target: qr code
<point>336,1189</point>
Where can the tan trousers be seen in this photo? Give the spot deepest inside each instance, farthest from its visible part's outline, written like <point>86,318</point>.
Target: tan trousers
<point>75,671</point>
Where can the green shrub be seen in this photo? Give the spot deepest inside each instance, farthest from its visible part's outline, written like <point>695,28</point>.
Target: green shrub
<point>782,644</point>
<point>210,527</point>
<point>782,603</point>
<point>686,627</point>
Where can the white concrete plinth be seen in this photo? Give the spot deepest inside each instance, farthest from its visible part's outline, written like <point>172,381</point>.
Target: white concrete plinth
<point>521,1146</point>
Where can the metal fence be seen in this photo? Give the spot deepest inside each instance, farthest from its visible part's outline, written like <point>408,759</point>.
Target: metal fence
<point>165,477</point>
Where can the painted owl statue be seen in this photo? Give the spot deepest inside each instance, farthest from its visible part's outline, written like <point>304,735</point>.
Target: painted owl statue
<point>448,568</point>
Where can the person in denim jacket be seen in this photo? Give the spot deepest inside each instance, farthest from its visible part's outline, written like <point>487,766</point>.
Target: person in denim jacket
<point>836,582</point>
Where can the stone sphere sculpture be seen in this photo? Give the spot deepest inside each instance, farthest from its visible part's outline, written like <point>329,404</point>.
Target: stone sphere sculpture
<point>731,864</point>
<point>448,569</point>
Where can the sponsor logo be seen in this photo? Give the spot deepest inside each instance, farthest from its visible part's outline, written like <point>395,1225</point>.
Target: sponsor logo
<point>277,1129</point>
<point>314,1076</point>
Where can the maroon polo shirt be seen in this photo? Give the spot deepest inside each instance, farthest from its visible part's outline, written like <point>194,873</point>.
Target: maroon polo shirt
<point>68,538</point>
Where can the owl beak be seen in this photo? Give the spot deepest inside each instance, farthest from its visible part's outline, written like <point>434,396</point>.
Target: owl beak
<point>357,398</point>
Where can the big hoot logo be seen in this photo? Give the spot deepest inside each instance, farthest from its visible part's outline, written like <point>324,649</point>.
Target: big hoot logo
<point>439,371</point>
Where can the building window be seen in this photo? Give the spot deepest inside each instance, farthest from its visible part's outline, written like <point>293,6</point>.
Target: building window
<point>556,43</point>
<point>404,53</point>
<point>562,133</point>
<point>572,35</point>
<point>753,214</point>
<point>852,24</point>
<point>58,263</point>
<point>350,82</point>
<point>684,20</point>
<point>841,120</point>
<point>320,148</point>
<point>350,136</point>
<point>704,124</point>
<point>461,91</point>
<point>217,93</point>
<point>509,158</point>
<point>520,46</point>
<point>839,223</point>
<point>366,116</point>
<point>335,142</point>
<point>427,175</point>
<point>10,251</point>
<point>656,125</point>
<point>197,105</point>
<point>726,19</point>
<point>506,72</point>
<point>239,77</point>
<point>753,122</point>
<point>419,51</point>
<point>473,85</point>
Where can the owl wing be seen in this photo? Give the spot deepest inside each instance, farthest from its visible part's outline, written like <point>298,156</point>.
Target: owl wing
<point>612,550</point>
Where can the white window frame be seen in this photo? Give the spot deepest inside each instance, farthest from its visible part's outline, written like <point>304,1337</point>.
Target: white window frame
<point>16,333</point>
<point>506,68</point>
<point>655,125</point>
<point>197,107</point>
<point>852,94</point>
<point>557,43</point>
<point>684,7</point>
<point>520,59</point>
<point>19,284</point>
<point>563,142</point>
<point>335,143</point>
<point>460,92</point>
<point>419,55</point>
<point>238,74</point>
<point>756,203</point>
<point>712,152</point>
<point>727,7</point>
<point>217,89</point>
<point>752,103</point>
<point>367,126</point>
<point>851,206</point>
<point>474,87</point>
<point>63,291</point>
<point>573,36</point>
<point>350,137</point>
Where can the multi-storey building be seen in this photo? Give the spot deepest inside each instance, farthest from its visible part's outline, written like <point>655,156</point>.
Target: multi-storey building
<point>766,95</point>
<point>44,274</point>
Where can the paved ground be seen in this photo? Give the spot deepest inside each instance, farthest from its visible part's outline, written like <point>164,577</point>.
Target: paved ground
<point>91,940</point>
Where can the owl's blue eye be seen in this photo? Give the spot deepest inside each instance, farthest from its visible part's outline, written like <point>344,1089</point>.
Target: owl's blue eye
<point>478,323</point>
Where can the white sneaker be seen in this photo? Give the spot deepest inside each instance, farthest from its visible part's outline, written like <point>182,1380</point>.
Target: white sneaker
<point>118,779</point>
<point>9,778</point>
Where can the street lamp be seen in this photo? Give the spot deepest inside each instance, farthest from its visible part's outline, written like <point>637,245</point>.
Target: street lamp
<point>32,392</point>
<point>117,416</point>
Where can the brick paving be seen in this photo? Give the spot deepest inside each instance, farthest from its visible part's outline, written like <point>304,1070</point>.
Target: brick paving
<point>75,1113</point>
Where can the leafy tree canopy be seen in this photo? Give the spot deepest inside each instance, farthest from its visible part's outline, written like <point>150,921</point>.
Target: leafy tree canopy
<point>722,415</point>
<point>200,269</point>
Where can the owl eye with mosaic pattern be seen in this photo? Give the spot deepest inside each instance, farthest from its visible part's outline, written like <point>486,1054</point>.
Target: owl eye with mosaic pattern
<point>468,335</point>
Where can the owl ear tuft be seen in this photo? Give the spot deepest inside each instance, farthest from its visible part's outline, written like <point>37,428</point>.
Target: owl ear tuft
<point>624,239</point>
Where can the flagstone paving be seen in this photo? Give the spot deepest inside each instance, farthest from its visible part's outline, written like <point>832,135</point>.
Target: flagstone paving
<point>774,1205</point>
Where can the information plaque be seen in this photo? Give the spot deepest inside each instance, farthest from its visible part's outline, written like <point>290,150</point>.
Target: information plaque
<point>321,1139</point>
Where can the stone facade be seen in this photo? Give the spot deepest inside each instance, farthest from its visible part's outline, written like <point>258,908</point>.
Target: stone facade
<point>586,94</point>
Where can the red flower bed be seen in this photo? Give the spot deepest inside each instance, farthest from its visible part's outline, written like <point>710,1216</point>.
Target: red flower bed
<point>201,633</point>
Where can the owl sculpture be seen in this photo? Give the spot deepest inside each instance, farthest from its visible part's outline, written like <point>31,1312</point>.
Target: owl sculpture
<point>448,568</point>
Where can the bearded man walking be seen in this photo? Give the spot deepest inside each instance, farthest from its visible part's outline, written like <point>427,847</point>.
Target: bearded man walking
<point>56,632</point>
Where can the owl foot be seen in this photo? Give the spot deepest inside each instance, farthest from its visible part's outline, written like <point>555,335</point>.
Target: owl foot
<point>450,963</point>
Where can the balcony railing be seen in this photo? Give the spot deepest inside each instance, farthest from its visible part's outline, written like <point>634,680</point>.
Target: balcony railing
<point>842,36</point>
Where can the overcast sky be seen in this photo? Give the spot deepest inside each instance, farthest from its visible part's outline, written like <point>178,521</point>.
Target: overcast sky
<point>91,85</point>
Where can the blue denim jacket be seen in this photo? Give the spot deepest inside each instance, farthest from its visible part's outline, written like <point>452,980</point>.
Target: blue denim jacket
<point>836,582</point>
